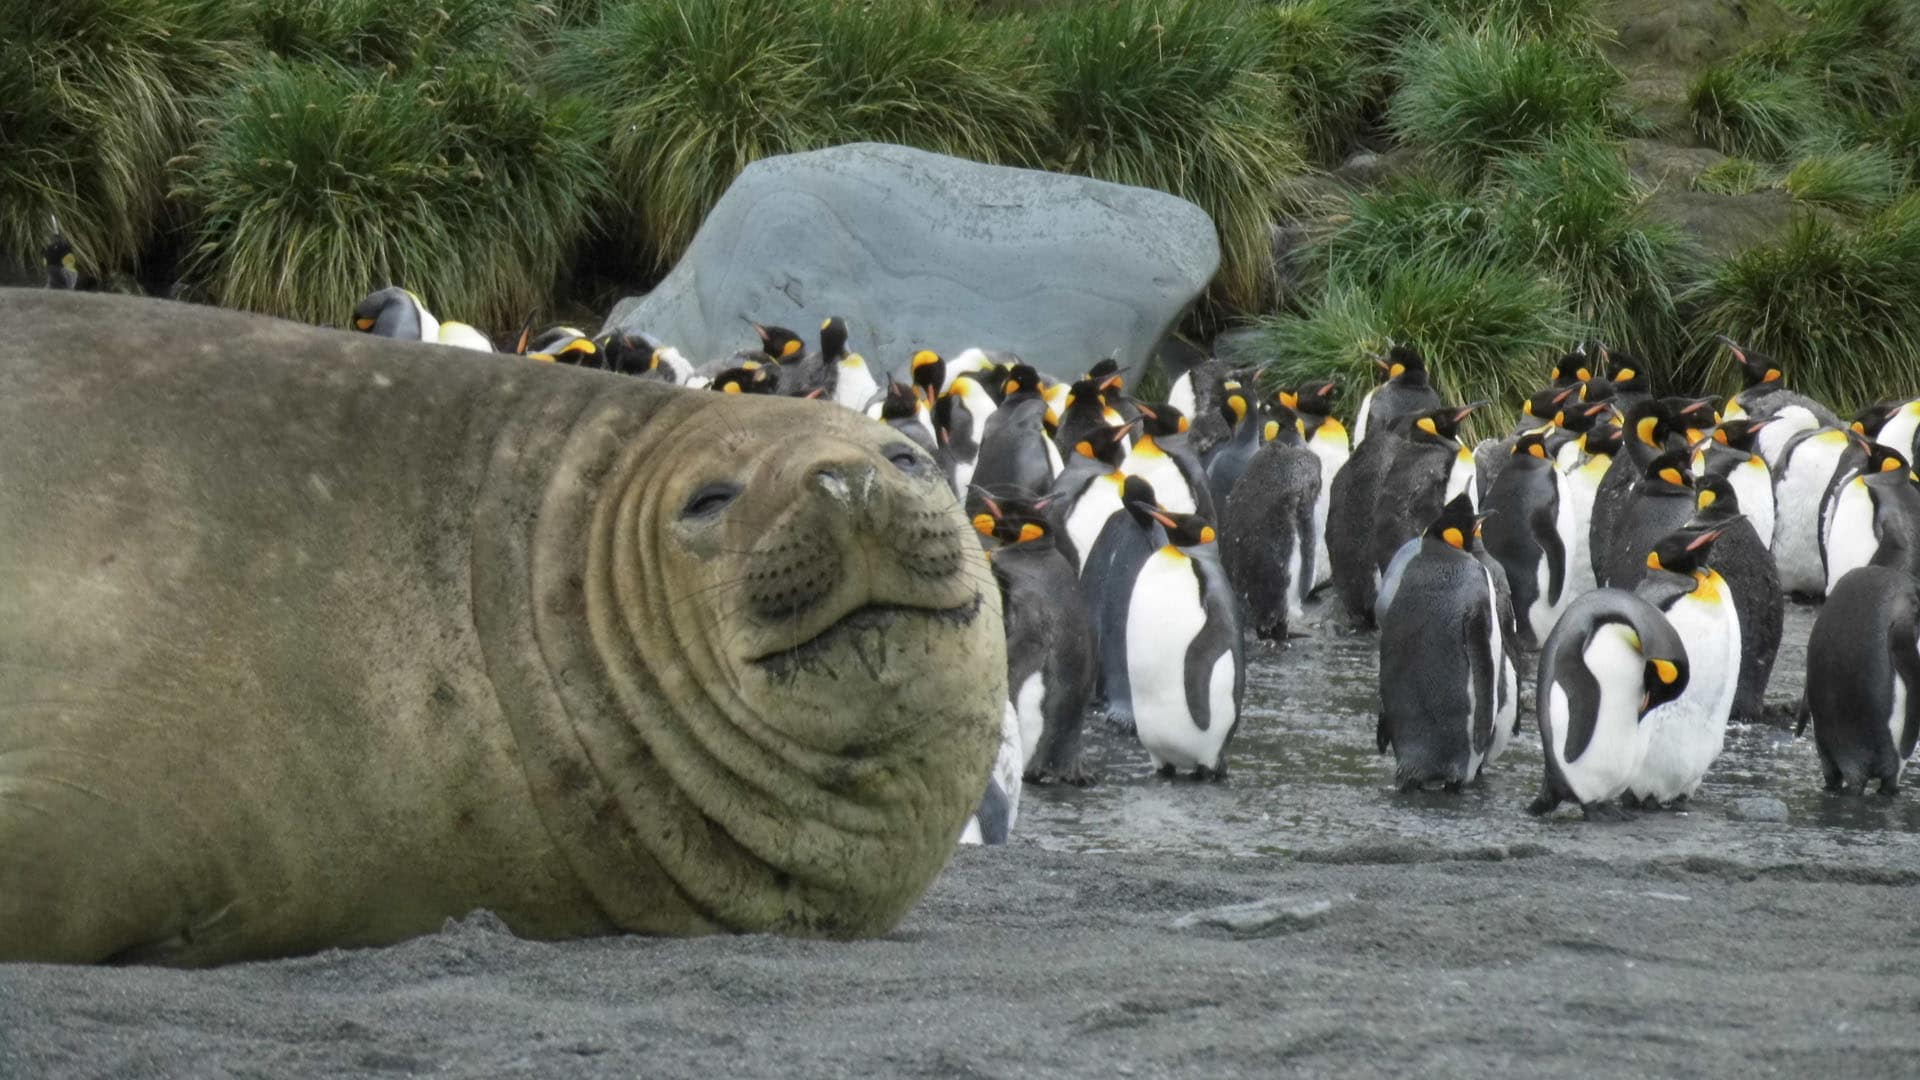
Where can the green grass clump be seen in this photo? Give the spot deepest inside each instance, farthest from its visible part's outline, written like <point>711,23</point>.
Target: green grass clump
<point>401,34</point>
<point>1863,53</point>
<point>1486,329</point>
<point>1568,20</point>
<point>1170,94</point>
<point>1851,180</point>
<point>1411,217</point>
<point>1472,93</point>
<point>695,90</point>
<point>1834,303</point>
<point>1742,108</point>
<point>1734,176</point>
<point>325,181</point>
<point>1573,210</point>
<point>1329,57</point>
<point>95,97</point>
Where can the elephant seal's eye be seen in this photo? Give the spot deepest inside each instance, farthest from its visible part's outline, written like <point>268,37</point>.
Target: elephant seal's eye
<point>905,458</point>
<point>710,500</point>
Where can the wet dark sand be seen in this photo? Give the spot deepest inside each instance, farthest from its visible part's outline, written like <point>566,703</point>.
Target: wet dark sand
<point>1428,935</point>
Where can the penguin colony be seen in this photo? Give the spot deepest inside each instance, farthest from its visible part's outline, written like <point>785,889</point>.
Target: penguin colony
<point>1643,546</point>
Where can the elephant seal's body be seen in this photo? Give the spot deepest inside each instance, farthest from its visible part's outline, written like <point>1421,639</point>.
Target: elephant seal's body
<point>308,639</point>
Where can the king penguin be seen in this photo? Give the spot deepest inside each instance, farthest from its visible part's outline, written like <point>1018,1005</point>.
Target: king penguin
<point>1113,559</point>
<point>1662,503</point>
<point>1899,428</point>
<point>1443,658</point>
<point>1610,660</point>
<point>1765,393</point>
<point>1407,391</point>
<point>1874,519</point>
<point>1430,466</point>
<point>1326,436</point>
<point>992,821</point>
<point>1863,680</point>
<point>1269,536</point>
<point>1808,468</point>
<point>1743,560</point>
<point>1685,735</point>
<point>1730,452</point>
<point>1049,638</point>
<point>62,268</point>
<point>960,420</point>
<point>1185,651</point>
<point>1174,471</point>
<point>1017,458</point>
<point>1087,492</point>
<point>1529,514</point>
<point>1084,414</point>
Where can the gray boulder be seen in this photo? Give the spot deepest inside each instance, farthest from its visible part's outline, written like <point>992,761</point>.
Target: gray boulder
<point>924,251</point>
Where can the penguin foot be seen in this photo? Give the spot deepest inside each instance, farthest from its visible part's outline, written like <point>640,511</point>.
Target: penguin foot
<point>1166,772</point>
<point>1213,775</point>
<point>1543,804</point>
<point>1605,812</point>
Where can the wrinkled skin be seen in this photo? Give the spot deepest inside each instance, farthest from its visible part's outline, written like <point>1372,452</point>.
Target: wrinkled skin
<point>309,639</point>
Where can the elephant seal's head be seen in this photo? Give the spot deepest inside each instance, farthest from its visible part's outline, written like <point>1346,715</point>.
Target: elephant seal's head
<point>796,667</point>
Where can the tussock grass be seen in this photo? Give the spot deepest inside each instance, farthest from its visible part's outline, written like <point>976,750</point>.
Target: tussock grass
<point>326,181</point>
<point>1853,179</point>
<point>1486,329</point>
<point>1170,94</point>
<point>1834,303</point>
<point>401,34</point>
<point>695,90</point>
<point>1573,210</point>
<point>1416,216</point>
<point>1330,59</point>
<point>1745,109</point>
<point>1568,20</point>
<point>1734,176</point>
<point>1471,93</point>
<point>95,97</point>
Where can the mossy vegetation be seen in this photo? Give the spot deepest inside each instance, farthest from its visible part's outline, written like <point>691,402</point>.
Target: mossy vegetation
<point>289,155</point>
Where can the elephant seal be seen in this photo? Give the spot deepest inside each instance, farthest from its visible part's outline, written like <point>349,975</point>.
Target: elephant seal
<point>309,639</point>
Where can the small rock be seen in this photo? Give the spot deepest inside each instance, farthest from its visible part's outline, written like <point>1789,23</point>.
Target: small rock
<point>1757,808</point>
<point>1260,918</point>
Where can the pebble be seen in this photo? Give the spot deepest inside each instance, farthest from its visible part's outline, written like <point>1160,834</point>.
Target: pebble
<point>1259,918</point>
<point>1757,808</point>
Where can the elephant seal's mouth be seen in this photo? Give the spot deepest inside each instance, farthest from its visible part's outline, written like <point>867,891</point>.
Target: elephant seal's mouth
<point>782,663</point>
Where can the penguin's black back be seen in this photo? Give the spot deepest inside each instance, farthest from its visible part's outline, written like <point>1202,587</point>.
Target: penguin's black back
<point>1350,520</point>
<point>1864,639</point>
<point>1740,557</point>
<point>1651,512</point>
<point>1397,398</point>
<point>1436,667</point>
<point>1520,528</point>
<point>1270,509</point>
<point>1622,477</point>
<point>1106,585</point>
<point>1048,632</point>
<point>1012,462</point>
<point>1410,494</point>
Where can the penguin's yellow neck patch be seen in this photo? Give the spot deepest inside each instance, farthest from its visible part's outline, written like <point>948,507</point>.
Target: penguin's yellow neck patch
<point>1147,448</point>
<point>68,262</point>
<point>1172,552</point>
<point>1331,427</point>
<point>1707,586</point>
<point>853,360</point>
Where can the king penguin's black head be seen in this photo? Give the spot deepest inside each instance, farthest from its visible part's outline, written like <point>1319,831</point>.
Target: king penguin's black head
<point>1572,369</point>
<point>1532,444</point>
<point>1714,497</point>
<point>1605,437</point>
<point>1684,550</point>
<point>1455,523</point>
<point>62,268</point>
<point>1021,379</point>
<point>778,342</point>
<point>1139,499</point>
<point>1669,471</point>
<point>833,339</point>
<point>1186,530</point>
<point>1442,424</point>
<point>1310,398</point>
<point>1626,373</point>
<point>1162,421</point>
<point>1756,368</point>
